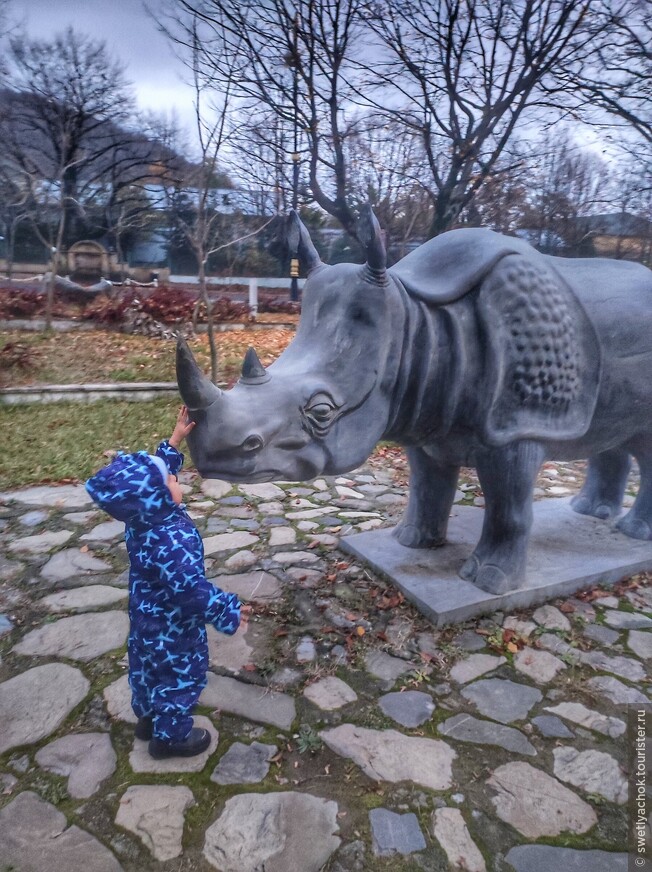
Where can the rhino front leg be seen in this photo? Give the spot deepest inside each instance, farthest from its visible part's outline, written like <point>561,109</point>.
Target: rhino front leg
<point>432,490</point>
<point>507,476</point>
<point>603,490</point>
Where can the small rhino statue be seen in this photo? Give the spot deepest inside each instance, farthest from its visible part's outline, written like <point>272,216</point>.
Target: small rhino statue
<point>475,350</point>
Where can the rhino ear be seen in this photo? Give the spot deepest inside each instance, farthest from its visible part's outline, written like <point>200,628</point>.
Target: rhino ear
<point>300,243</point>
<point>197,391</point>
<point>371,236</point>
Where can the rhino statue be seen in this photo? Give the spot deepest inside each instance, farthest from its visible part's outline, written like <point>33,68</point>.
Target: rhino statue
<point>475,350</point>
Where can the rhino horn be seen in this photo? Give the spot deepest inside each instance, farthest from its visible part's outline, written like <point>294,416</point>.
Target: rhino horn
<point>253,372</point>
<point>197,391</point>
<point>371,236</point>
<point>300,243</point>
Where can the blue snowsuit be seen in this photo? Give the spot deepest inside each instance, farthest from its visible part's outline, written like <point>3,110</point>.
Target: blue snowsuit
<point>170,599</point>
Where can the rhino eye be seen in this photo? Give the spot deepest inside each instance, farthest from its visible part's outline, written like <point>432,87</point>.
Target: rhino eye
<point>252,443</point>
<point>320,410</point>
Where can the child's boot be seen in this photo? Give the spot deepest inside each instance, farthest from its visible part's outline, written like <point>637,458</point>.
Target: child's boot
<point>196,742</point>
<point>144,729</point>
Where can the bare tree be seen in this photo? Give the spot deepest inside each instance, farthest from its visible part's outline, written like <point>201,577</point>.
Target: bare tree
<point>258,158</point>
<point>565,183</point>
<point>14,208</point>
<point>468,74</point>
<point>199,220</point>
<point>386,170</point>
<point>67,96</point>
<point>5,33</point>
<point>276,45</point>
<point>617,88</point>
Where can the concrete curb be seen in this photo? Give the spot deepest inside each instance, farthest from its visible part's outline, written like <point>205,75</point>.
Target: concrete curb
<point>63,326</point>
<point>88,393</point>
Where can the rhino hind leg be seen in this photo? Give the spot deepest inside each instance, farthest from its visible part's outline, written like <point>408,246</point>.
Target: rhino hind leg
<point>507,476</point>
<point>604,488</point>
<point>432,491</point>
<point>637,523</point>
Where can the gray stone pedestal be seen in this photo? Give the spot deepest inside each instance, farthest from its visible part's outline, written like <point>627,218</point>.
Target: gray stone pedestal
<point>568,552</point>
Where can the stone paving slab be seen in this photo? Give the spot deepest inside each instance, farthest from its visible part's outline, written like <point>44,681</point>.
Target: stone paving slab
<point>330,693</point>
<point>537,805</point>
<point>80,637</point>
<point>155,813</point>
<point>41,543</point>
<point>117,697</point>
<point>502,700</point>
<point>228,542</point>
<point>104,532</point>
<point>544,858</point>
<point>387,755</point>
<point>593,771</point>
<point>244,764</point>
<point>36,702</point>
<point>277,832</point>
<point>466,728</point>
<point>393,833</point>
<point>251,586</point>
<point>567,552</point>
<point>578,713</point>
<point>83,599</point>
<point>34,838</point>
<point>67,496</point>
<point>249,701</point>
<point>86,758</point>
<point>450,830</point>
<point>232,653</point>
<point>73,564</point>
<point>474,666</point>
<point>411,708</point>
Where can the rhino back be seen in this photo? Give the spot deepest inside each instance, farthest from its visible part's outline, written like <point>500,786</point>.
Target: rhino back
<point>617,297</point>
<point>447,267</point>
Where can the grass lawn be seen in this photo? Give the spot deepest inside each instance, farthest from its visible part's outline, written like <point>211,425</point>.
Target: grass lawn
<point>105,356</point>
<point>59,441</point>
<point>67,441</point>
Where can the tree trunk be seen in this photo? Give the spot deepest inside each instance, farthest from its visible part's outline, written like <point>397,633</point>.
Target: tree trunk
<point>11,247</point>
<point>49,297</point>
<point>203,291</point>
<point>119,255</point>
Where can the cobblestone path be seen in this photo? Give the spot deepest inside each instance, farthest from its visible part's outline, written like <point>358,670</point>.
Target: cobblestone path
<point>347,733</point>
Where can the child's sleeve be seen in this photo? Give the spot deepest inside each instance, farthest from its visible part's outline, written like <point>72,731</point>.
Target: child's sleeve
<point>172,458</point>
<point>181,569</point>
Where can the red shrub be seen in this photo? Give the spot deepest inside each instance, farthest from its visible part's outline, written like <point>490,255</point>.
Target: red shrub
<point>225,309</point>
<point>270,303</point>
<point>109,311</point>
<point>169,305</point>
<point>15,303</point>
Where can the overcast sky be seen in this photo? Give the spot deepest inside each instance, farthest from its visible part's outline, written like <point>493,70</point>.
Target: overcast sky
<point>131,36</point>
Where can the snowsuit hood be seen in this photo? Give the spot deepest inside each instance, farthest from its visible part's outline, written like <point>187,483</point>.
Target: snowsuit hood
<point>131,489</point>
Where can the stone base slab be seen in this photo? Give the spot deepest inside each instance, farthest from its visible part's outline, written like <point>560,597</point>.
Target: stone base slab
<point>568,552</point>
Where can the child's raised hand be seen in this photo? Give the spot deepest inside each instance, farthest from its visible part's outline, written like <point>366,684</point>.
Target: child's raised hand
<point>246,611</point>
<point>182,427</point>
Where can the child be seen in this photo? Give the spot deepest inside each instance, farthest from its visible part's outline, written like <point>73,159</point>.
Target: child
<point>170,600</point>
